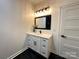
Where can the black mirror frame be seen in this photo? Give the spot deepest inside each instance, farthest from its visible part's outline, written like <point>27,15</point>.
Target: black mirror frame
<point>48,22</point>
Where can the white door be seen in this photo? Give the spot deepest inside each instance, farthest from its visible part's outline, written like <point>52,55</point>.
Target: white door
<point>70,31</point>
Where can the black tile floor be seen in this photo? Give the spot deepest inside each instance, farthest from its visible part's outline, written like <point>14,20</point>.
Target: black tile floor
<point>30,54</point>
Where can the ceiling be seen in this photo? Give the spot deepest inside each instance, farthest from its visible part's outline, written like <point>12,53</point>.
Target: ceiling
<point>35,1</point>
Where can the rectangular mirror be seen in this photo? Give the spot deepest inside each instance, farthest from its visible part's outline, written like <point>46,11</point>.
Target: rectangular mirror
<point>43,22</point>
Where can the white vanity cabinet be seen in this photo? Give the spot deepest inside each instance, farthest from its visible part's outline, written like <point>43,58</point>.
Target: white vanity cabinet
<point>40,44</point>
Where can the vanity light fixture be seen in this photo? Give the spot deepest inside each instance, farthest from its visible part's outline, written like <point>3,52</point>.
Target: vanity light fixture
<point>41,10</point>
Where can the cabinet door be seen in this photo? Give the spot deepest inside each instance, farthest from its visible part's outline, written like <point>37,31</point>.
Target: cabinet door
<point>36,44</point>
<point>29,41</point>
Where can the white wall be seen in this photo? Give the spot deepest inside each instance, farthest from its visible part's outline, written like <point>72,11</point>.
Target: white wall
<point>15,21</point>
<point>55,6</point>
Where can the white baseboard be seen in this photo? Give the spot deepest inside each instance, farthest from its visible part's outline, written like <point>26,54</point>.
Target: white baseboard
<point>17,53</point>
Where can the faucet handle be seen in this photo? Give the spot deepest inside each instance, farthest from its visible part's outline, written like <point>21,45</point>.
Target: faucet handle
<point>40,31</point>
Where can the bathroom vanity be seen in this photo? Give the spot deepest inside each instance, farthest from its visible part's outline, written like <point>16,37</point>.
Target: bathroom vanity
<point>41,43</point>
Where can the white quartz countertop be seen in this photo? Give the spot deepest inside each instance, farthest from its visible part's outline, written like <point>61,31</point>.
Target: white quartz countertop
<point>44,35</point>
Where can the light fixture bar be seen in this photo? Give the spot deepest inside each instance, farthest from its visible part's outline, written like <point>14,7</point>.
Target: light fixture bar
<point>42,9</point>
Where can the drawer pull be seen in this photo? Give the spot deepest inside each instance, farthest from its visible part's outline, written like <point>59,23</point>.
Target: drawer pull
<point>44,46</point>
<point>44,40</point>
<point>35,43</point>
<point>43,52</point>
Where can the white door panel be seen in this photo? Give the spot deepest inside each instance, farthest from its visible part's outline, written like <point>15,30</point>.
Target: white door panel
<point>75,22</point>
<point>70,31</point>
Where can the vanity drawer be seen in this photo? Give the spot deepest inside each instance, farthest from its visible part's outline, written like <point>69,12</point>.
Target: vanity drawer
<point>44,53</point>
<point>44,47</point>
<point>44,44</point>
<point>44,41</point>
